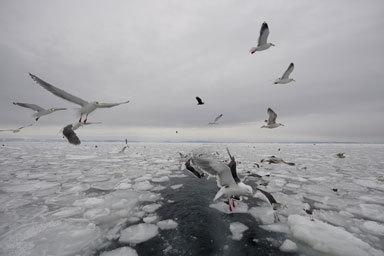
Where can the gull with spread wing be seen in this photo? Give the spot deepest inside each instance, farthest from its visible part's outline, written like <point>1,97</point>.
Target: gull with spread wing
<point>271,122</point>
<point>285,78</point>
<point>86,107</point>
<point>262,43</point>
<point>216,119</point>
<point>16,130</point>
<point>39,110</point>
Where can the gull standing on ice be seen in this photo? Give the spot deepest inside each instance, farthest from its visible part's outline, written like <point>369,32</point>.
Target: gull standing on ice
<point>271,122</point>
<point>86,107</point>
<point>216,119</point>
<point>15,130</point>
<point>285,78</point>
<point>263,37</point>
<point>39,110</point>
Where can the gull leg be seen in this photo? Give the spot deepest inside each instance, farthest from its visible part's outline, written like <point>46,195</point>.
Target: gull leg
<point>81,116</point>
<point>37,118</point>
<point>277,219</point>
<point>233,203</point>
<point>85,121</point>
<point>229,204</point>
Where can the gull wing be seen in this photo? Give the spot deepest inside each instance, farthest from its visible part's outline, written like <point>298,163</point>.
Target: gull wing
<point>232,166</point>
<point>109,105</point>
<point>24,126</point>
<point>7,130</point>
<point>199,100</point>
<point>272,116</point>
<point>264,32</point>
<point>217,118</point>
<point>28,105</point>
<point>191,169</point>
<point>215,168</point>
<point>270,198</point>
<point>71,135</point>
<point>58,92</point>
<point>288,71</point>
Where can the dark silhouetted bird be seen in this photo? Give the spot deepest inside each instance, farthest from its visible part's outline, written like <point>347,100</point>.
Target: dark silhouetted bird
<point>199,101</point>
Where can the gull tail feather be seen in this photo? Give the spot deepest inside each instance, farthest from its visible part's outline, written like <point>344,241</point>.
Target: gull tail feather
<point>219,193</point>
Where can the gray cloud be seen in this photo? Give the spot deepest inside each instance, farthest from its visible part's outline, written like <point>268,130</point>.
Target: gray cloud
<point>161,54</point>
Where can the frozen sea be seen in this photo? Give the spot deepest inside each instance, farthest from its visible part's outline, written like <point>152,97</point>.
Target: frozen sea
<point>59,199</point>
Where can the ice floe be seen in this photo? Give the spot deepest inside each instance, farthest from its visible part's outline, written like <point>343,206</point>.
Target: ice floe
<point>138,233</point>
<point>167,224</point>
<point>122,251</point>
<point>327,238</point>
<point>237,229</point>
<point>288,246</point>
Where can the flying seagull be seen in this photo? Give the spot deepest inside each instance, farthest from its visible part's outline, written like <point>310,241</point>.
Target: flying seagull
<point>16,130</point>
<point>216,119</point>
<point>271,122</point>
<point>199,101</point>
<point>262,43</point>
<point>285,78</point>
<point>86,107</point>
<point>226,175</point>
<point>39,110</point>
<point>71,135</point>
<point>228,180</point>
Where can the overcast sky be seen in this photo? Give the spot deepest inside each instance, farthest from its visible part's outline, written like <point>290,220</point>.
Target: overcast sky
<point>161,54</point>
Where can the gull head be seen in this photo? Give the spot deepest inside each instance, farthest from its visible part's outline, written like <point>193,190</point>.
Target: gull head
<point>95,103</point>
<point>246,189</point>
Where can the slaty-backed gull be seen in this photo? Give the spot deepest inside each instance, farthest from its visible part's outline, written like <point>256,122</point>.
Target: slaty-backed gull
<point>86,107</point>
<point>271,122</point>
<point>285,78</point>
<point>262,42</point>
<point>39,110</point>
<point>216,119</point>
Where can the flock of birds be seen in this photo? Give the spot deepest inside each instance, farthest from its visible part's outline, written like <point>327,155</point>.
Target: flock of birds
<point>284,79</point>
<point>85,109</point>
<point>227,179</point>
<point>226,174</point>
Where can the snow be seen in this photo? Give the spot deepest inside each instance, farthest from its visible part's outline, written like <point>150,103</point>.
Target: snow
<point>138,233</point>
<point>122,251</point>
<point>288,246</point>
<point>237,229</point>
<point>327,238</point>
<point>167,224</point>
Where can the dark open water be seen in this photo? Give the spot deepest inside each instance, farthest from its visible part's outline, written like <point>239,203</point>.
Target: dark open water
<point>203,230</point>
